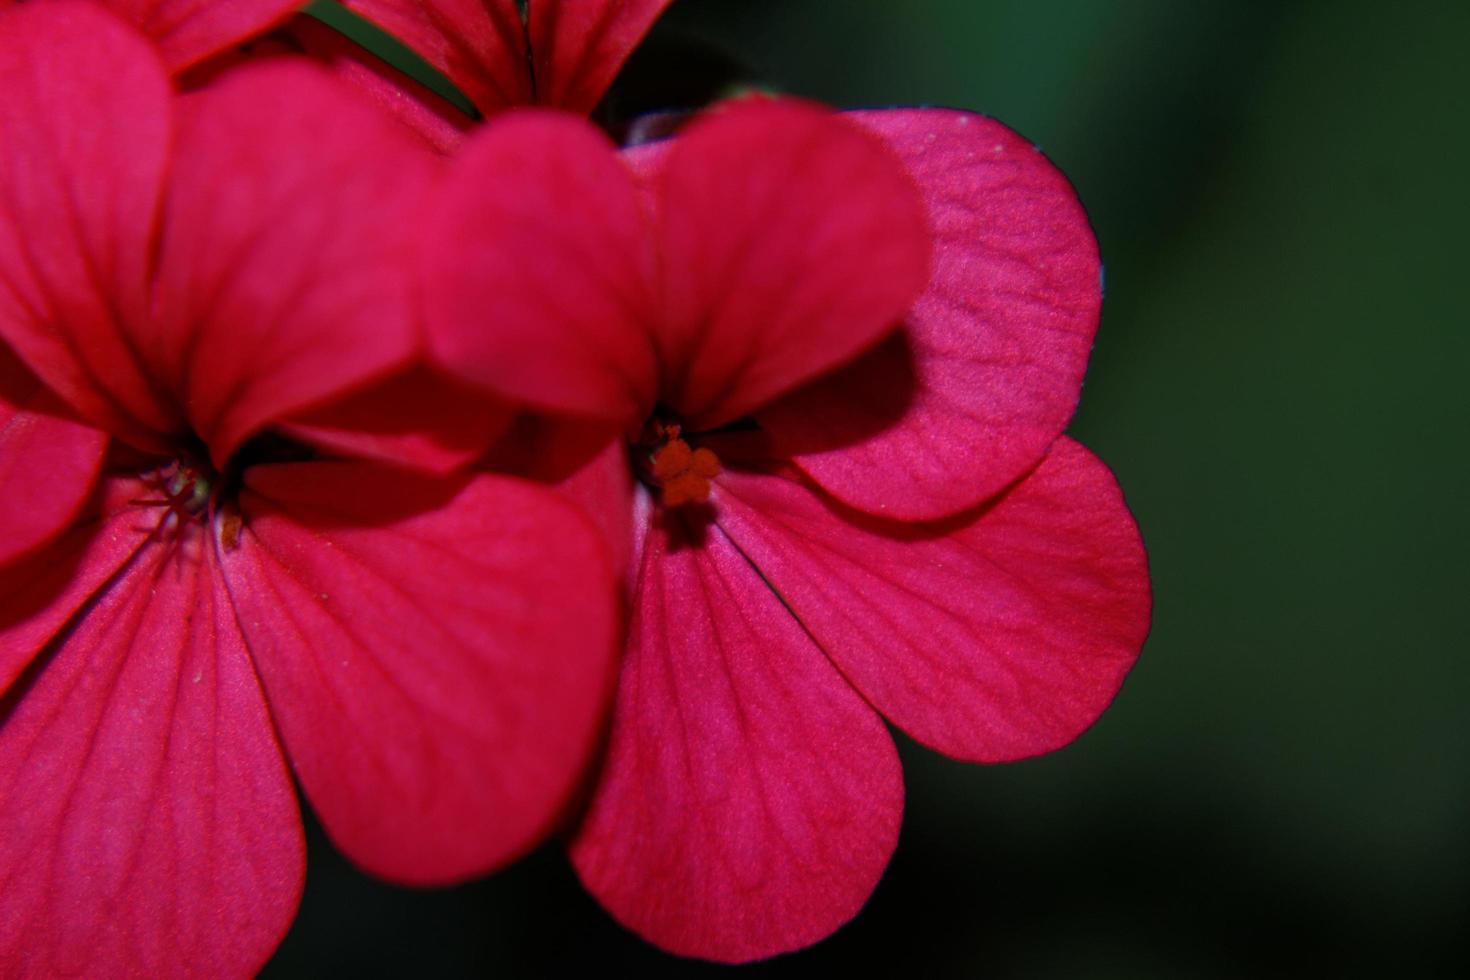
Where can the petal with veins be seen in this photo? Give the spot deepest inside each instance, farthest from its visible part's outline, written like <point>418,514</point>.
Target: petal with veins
<point>577,48</point>
<point>987,370</point>
<point>999,634</point>
<point>750,799</point>
<point>437,655</point>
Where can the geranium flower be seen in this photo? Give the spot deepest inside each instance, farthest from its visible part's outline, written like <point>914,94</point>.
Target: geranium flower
<point>197,294</point>
<point>849,504</point>
<point>190,31</point>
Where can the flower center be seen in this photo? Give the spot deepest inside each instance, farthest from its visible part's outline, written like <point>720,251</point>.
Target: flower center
<point>665,459</point>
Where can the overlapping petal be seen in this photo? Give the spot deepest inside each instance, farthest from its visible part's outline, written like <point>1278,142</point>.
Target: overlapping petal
<point>537,266</point>
<point>1001,633</point>
<point>578,47</point>
<point>750,799</point>
<point>84,108</point>
<point>150,825</point>
<point>436,654</point>
<point>48,461</point>
<point>288,283</point>
<point>188,31</point>
<point>789,241</point>
<point>479,45</point>
<point>989,365</point>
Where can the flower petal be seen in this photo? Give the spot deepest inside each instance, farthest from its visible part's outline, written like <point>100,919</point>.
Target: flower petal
<point>417,418</point>
<point>437,655</point>
<point>479,45</point>
<point>791,241</point>
<point>577,48</point>
<point>150,825</point>
<point>990,363</point>
<point>1000,634</point>
<point>284,276</point>
<point>84,106</point>
<point>537,270</point>
<point>41,591</point>
<point>188,31</point>
<point>48,462</point>
<point>750,799</point>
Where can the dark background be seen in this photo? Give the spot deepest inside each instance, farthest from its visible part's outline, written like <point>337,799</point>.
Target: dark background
<point>1283,786</point>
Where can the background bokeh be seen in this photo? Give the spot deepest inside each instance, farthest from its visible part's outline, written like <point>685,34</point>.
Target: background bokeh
<point>1283,786</point>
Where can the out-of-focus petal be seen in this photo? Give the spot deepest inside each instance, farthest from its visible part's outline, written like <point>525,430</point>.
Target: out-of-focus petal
<point>437,655</point>
<point>750,799</point>
<point>48,461</point>
<point>537,270</point>
<point>479,45</point>
<point>150,825</point>
<point>84,109</point>
<point>41,591</point>
<point>188,31</point>
<point>577,48</point>
<point>433,118</point>
<point>285,276</point>
<point>999,634</point>
<point>989,366</point>
<point>419,418</point>
<point>790,241</point>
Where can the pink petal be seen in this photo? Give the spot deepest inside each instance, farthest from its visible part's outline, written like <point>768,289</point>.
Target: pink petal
<point>479,45</point>
<point>150,825</point>
<point>437,656</point>
<point>41,591</point>
<point>284,275</point>
<point>188,31</point>
<point>999,634</point>
<point>750,799</point>
<point>990,363</point>
<point>48,462</point>
<point>418,418</point>
<point>434,119</point>
<point>536,270</point>
<point>791,242</point>
<point>84,106</point>
<point>577,48</point>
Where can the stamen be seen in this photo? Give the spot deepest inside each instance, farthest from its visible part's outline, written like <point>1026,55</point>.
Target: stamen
<point>683,473</point>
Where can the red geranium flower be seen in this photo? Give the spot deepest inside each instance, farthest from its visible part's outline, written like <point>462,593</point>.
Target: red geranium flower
<point>849,505</point>
<point>189,600</point>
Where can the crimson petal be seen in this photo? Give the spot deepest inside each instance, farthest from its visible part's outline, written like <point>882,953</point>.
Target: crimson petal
<point>750,799</point>
<point>48,462</point>
<point>577,48</point>
<point>990,363</point>
<point>790,242</point>
<point>284,276</point>
<point>188,31</point>
<point>84,106</point>
<point>437,655</point>
<point>999,634</point>
<point>150,825</point>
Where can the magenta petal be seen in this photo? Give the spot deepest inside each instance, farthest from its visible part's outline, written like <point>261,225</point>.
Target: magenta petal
<point>750,799</point>
<point>537,269</point>
<point>790,242</point>
<point>48,462</point>
<point>577,48</point>
<point>150,825</point>
<point>990,363</point>
<point>437,655</point>
<point>188,31</point>
<point>999,634</point>
<point>284,276</point>
<point>41,591</point>
<point>479,45</point>
<point>418,418</point>
<point>84,109</point>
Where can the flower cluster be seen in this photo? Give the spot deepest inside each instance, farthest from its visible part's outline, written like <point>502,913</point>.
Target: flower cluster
<point>492,481</point>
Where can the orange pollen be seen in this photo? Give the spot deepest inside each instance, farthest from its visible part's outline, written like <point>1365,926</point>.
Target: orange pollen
<point>683,473</point>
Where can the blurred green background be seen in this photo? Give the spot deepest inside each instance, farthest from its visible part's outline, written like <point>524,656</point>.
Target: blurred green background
<point>1283,786</point>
